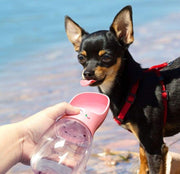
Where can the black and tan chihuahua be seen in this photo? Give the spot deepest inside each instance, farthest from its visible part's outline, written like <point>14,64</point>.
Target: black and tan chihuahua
<point>109,65</point>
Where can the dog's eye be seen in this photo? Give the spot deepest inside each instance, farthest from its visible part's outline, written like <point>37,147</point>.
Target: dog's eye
<point>81,59</point>
<point>106,59</point>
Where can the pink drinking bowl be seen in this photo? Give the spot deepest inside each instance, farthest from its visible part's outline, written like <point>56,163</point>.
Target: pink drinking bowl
<point>94,108</point>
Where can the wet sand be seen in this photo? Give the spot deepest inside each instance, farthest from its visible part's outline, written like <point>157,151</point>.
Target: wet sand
<point>53,76</point>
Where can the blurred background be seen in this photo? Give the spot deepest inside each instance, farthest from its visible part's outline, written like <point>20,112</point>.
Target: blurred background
<point>39,68</point>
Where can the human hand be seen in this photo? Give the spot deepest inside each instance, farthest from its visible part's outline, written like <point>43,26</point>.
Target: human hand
<point>35,126</point>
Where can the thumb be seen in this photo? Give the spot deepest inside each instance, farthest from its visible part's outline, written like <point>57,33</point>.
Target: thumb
<point>61,109</point>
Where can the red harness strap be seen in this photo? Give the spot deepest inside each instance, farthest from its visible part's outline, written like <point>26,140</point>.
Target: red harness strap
<point>164,92</point>
<point>132,95</point>
<point>129,102</point>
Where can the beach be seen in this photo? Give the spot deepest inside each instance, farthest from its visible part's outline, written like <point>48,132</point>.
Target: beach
<point>44,71</point>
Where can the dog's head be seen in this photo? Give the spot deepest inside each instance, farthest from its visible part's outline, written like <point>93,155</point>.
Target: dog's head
<point>101,52</point>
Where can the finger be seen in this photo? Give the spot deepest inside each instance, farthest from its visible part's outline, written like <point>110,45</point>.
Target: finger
<point>61,109</point>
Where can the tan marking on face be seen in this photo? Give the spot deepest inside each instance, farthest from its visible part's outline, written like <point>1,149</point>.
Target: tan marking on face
<point>84,53</point>
<point>109,74</point>
<point>101,52</point>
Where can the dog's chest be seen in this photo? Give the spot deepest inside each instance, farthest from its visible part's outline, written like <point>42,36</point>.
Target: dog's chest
<point>106,87</point>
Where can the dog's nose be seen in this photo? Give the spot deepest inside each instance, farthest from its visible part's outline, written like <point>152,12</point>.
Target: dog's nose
<point>88,74</point>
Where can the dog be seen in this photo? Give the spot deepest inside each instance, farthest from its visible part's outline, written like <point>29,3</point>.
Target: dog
<point>109,65</point>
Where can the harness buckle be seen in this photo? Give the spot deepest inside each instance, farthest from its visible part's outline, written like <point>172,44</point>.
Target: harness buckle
<point>118,120</point>
<point>165,94</point>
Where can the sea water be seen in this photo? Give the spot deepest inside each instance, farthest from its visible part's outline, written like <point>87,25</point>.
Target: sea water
<point>28,27</point>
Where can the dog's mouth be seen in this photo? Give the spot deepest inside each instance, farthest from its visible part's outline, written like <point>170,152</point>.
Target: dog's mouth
<point>87,82</point>
<point>92,82</point>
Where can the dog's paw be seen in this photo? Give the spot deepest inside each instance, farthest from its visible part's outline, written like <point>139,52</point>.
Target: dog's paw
<point>144,172</point>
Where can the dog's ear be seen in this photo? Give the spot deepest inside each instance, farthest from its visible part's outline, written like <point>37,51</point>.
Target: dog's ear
<point>74,32</point>
<point>122,26</point>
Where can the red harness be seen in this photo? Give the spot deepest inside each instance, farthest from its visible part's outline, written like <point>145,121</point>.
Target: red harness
<point>132,95</point>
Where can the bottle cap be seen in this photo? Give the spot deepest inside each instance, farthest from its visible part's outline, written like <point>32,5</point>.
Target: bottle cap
<point>93,109</point>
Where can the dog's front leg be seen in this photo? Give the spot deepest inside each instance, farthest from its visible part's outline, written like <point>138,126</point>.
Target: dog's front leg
<point>157,162</point>
<point>143,161</point>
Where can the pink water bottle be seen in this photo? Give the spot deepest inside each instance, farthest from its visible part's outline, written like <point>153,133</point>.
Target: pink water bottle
<point>66,146</point>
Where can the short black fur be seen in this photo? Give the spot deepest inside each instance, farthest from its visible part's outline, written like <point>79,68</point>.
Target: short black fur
<point>103,52</point>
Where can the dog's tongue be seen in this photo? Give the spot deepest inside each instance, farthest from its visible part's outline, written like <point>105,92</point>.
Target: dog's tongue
<point>87,82</point>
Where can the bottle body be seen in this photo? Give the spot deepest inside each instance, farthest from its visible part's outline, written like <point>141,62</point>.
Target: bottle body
<point>64,149</point>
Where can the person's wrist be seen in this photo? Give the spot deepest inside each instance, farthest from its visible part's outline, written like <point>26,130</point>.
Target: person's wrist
<point>19,128</point>
<point>11,146</point>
